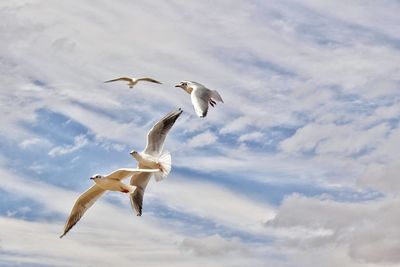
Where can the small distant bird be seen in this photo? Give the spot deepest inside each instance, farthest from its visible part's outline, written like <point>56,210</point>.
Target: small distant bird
<point>133,81</point>
<point>153,157</point>
<point>200,96</point>
<point>111,182</point>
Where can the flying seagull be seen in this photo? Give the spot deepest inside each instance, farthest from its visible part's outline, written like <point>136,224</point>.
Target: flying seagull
<point>111,182</point>
<point>133,81</point>
<point>200,96</point>
<point>153,157</point>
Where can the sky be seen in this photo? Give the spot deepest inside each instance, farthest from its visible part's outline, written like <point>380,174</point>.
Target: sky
<point>298,167</point>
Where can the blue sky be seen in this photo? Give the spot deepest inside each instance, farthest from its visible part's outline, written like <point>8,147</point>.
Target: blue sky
<point>298,166</point>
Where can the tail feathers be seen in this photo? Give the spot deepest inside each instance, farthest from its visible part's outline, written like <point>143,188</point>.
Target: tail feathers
<point>165,162</point>
<point>215,95</point>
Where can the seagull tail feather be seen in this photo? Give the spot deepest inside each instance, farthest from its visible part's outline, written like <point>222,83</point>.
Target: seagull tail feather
<point>165,162</point>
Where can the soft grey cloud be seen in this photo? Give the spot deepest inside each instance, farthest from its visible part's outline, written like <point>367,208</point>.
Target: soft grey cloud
<point>212,246</point>
<point>366,231</point>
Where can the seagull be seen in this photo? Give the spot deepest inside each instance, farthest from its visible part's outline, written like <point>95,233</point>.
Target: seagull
<point>153,157</point>
<point>111,182</point>
<point>133,81</point>
<point>200,96</point>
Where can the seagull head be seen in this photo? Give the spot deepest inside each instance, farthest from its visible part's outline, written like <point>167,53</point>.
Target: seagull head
<point>182,84</point>
<point>96,176</point>
<point>135,155</point>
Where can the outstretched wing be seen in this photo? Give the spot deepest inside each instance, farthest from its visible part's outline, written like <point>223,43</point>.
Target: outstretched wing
<point>125,172</point>
<point>120,79</point>
<point>148,80</point>
<point>157,134</point>
<point>139,180</point>
<point>215,95</point>
<point>200,103</point>
<point>84,202</point>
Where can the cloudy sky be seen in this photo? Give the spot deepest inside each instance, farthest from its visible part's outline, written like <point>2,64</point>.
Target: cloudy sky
<point>299,166</point>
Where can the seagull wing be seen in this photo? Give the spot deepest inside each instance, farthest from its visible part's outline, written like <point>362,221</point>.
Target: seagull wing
<point>215,95</point>
<point>84,202</point>
<point>200,102</point>
<point>140,180</point>
<point>125,172</point>
<point>157,134</point>
<point>120,79</point>
<point>148,80</point>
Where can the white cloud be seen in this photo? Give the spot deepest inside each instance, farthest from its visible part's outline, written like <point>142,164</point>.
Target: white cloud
<point>213,202</point>
<point>29,142</point>
<point>79,142</point>
<point>201,140</point>
<point>254,136</point>
<point>344,140</point>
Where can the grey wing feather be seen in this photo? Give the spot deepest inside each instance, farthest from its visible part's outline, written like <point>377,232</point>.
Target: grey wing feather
<point>137,200</point>
<point>157,134</point>
<point>149,80</point>
<point>140,180</point>
<point>120,79</point>
<point>215,95</point>
<point>82,204</point>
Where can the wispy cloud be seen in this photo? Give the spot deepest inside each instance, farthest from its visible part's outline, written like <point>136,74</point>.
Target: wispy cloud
<point>79,142</point>
<point>204,139</point>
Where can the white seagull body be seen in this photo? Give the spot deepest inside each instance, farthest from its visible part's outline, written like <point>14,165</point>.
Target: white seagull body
<point>133,81</point>
<point>153,157</point>
<point>200,96</point>
<point>110,182</point>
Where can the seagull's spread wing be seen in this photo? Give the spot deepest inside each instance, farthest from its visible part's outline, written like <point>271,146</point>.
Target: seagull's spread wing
<point>140,180</point>
<point>157,134</point>
<point>120,79</point>
<point>148,80</point>
<point>84,202</point>
<point>200,102</point>
<point>125,172</point>
<point>214,94</point>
